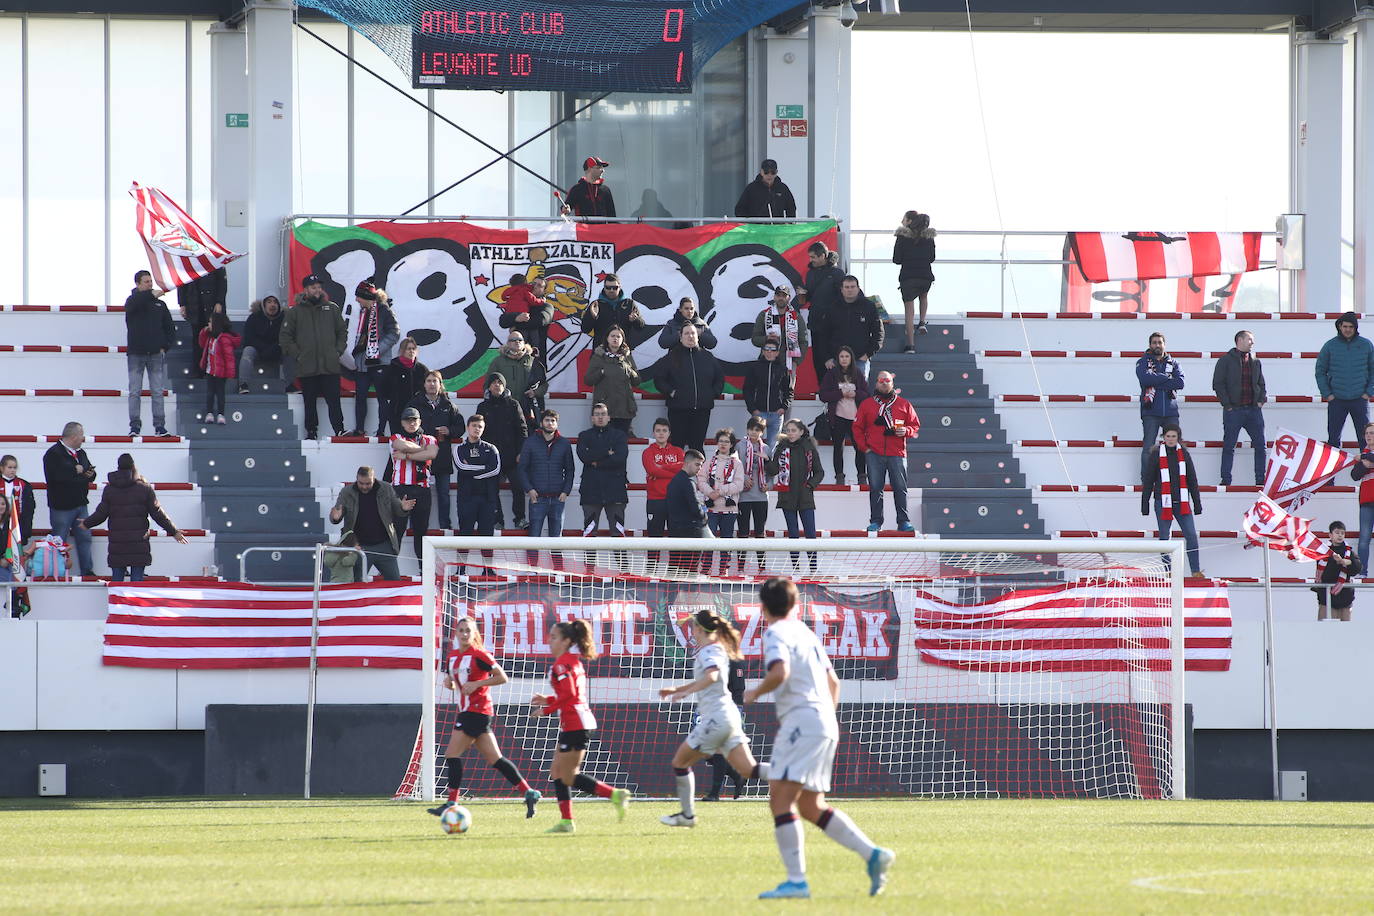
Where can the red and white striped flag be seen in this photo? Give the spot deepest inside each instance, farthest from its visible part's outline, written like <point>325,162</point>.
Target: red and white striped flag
<point>1297,467</point>
<point>1107,256</point>
<point>179,250</point>
<point>1267,524</point>
<point>1085,626</point>
<point>15,539</point>
<point>235,625</point>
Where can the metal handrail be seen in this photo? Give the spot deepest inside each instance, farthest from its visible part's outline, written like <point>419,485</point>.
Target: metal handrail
<point>243,560</point>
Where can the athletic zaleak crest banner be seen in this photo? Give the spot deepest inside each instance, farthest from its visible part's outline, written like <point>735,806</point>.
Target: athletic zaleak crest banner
<point>446,282</point>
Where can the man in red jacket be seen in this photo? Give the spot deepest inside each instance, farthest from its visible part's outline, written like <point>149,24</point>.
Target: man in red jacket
<point>662,461</point>
<point>884,423</point>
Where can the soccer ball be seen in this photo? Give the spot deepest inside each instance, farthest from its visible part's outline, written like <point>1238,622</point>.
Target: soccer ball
<point>456,819</point>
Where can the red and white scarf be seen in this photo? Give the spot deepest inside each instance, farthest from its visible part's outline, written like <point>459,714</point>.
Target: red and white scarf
<point>1168,487</point>
<point>789,323</point>
<point>1163,366</point>
<point>1343,576</point>
<point>728,475</point>
<point>372,328</point>
<point>784,481</point>
<point>754,455</point>
<point>885,407</point>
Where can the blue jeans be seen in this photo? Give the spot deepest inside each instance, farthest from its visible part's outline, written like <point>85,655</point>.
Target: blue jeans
<point>383,557</point>
<point>155,366</point>
<point>135,573</point>
<point>1250,419</point>
<point>893,468</point>
<point>1149,433</point>
<point>443,498</point>
<point>64,524</point>
<point>807,520</point>
<point>1337,409</point>
<point>772,424</point>
<point>550,508</point>
<point>1189,529</point>
<point>1366,525</point>
<point>7,574</point>
<point>363,379</point>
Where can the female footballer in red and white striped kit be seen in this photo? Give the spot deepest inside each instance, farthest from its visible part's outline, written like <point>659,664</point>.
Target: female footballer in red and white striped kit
<point>570,642</point>
<point>472,672</point>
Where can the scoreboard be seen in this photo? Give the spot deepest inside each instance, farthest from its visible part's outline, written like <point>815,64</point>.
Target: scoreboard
<point>592,45</point>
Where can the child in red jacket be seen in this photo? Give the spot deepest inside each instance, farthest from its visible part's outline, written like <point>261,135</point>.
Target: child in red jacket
<point>217,343</point>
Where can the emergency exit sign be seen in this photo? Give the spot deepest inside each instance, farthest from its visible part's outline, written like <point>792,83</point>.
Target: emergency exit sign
<point>236,120</point>
<point>789,111</point>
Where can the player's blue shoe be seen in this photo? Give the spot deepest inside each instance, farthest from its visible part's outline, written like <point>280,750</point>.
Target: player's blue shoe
<point>788,889</point>
<point>879,863</point>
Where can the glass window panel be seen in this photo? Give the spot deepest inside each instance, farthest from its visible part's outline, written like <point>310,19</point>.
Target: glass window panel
<point>320,150</point>
<point>485,114</point>
<point>390,146</point>
<point>11,165</point>
<point>67,161</point>
<point>533,113</point>
<point>202,122</point>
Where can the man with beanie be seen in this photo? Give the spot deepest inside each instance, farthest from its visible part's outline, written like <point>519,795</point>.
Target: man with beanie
<point>1345,378</point>
<point>506,429</point>
<point>591,196</point>
<point>766,197</point>
<point>884,422</point>
<point>314,334</point>
<point>150,335</point>
<point>371,352</point>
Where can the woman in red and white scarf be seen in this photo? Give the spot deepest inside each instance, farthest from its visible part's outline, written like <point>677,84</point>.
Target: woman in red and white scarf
<point>720,480</point>
<point>1170,481</point>
<point>796,468</point>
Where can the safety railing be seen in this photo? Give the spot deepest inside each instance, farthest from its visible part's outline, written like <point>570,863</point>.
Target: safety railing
<point>275,555</point>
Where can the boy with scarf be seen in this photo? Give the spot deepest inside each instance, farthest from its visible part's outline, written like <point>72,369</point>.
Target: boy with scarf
<point>1170,480</point>
<point>1336,570</point>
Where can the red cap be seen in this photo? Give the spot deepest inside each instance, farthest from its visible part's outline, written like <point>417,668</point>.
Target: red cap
<point>593,161</point>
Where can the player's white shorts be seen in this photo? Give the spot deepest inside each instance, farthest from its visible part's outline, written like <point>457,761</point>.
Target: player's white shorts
<point>716,734</point>
<point>807,758</point>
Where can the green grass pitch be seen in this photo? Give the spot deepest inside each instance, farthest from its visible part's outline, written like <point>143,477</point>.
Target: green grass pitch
<point>1009,856</point>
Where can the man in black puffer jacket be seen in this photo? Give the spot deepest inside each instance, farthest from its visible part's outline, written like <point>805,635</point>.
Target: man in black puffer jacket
<point>768,389</point>
<point>262,342</point>
<point>819,293</point>
<point>603,451</point>
<point>854,323</point>
<point>766,197</point>
<point>506,429</point>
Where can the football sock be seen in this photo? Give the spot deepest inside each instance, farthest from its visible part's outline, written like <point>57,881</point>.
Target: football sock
<point>564,795</point>
<point>760,771</point>
<point>787,830</point>
<point>584,783</point>
<point>455,776</point>
<point>508,770</point>
<point>844,831</point>
<point>686,789</point>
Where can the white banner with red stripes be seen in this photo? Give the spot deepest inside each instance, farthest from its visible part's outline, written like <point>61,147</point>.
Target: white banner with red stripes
<point>1297,467</point>
<point>1265,523</point>
<point>236,625</point>
<point>1108,256</point>
<point>179,250</point>
<point>1095,625</point>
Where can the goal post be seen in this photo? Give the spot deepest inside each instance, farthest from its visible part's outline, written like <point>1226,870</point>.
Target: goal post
<point>1047,668</point>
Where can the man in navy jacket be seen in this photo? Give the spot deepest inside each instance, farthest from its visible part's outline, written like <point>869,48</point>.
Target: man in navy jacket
<point>546,474</point>
<point>603,451</point>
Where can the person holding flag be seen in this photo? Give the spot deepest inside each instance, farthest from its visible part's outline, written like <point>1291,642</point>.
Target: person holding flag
<point>1170,479</point>
<point>11,567</point>
<point>1358,471</point>
<point>1334,572</point>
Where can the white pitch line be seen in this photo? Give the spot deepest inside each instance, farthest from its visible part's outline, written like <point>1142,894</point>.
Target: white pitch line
<point>1152,883</point>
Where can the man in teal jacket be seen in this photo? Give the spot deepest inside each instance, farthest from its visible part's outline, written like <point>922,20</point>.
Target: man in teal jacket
<point>1345,378</point>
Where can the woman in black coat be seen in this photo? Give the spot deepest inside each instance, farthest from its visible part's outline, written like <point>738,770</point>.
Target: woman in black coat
<point>403,380</point>
<point>128,502</point>
<point>914,250</point>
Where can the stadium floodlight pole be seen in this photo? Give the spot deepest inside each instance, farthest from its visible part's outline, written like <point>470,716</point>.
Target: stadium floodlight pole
<point>314,649</point>
<point>429,599</point>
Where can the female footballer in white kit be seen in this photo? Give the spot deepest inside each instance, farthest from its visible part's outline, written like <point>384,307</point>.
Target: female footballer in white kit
<point>806,691</point>
<point>719,729</point>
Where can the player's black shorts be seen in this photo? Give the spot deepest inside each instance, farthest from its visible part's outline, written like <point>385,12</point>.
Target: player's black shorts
<point>574,740</point>
<point>474,724</point>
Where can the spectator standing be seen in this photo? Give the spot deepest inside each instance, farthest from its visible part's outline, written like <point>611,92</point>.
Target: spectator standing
<point>478,465</point>
<point>1334,572</point>
<point>662,460</point>
<point>1345,377</point>
<point>768,388</point>
<point>591,196</point>
<point>914,250</point>
<point>820,294</point>
<point>69,472</point>
<point>376,516</point>
<point>720,480</point>
<point>686,314</point>
<point>843,389</point>
<point>692,380</point>
<point>262,342</point>
<point>796,470</point>
<point>612,374</point>
<point>610,308</point>
<point>314,335</point>
<point>883,424</point>
<point>403,381</point>
<point>527,309</point>
<point>198,300</point>
<point>853,323</point>
<point>12,550</point>
<point>753,496</point>
<point>766,197</point>
<point>217,344</point>
<point>150,334</point>
<point>408,470</point>
<point>1171,481</point>
<point>686,518</point>
<point>783,320</point>
<point>20,494</point>
<point>1361,471</point>
<point>603,451</point>
<point>1161,378</point>
<point>524,374</point>
<point>370,353</point>
<point>342,565</point>
<point>440,419</point>
<point>546,475</point>
<point>129,501</point>
<point>506,429</point>
<point>1238,380</point>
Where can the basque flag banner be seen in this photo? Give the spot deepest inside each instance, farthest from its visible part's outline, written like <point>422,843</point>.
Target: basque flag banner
<point>179,250</point>
<point>1297,467</point>
<point>1094,625</point>
<point>1109,256</point>
<point>236,625</point>
<point>1265,523</point>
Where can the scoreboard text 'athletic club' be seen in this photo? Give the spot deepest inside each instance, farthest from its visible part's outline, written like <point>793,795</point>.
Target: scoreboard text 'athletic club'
<point>592,45</point>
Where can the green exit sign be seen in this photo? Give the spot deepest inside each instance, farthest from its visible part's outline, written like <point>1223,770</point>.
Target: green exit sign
<point>236,120</point>
<point>789,111</point>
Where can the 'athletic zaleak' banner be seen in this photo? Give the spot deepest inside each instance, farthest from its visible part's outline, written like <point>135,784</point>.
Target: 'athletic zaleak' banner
<point>446,280</point>
<point>1109,256</point>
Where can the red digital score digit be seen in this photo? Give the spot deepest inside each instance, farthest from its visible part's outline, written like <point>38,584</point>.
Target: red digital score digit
<point>675,36</point>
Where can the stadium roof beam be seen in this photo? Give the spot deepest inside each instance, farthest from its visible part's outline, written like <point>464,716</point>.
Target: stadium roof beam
<point>1108,15</point>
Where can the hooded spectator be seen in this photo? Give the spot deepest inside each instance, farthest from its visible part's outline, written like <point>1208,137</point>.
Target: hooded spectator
<point>262,342</point>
